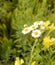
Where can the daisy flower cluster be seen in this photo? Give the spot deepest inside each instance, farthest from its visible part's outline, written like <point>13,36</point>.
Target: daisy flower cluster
<point>39,28</point>
<point>35,32</point>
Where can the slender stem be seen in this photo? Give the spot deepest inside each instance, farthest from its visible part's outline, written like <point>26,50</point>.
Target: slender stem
<point>31,55</point>
<point>49,32</point>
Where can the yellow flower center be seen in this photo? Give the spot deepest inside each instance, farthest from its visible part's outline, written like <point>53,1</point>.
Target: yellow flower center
<point>36,33</point>
<point>26,29</point>
<point>33,27</point>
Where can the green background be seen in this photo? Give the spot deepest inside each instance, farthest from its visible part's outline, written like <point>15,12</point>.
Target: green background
<point>13,15</point>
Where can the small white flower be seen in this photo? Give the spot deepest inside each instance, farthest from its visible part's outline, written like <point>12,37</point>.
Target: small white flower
<point>32,27</point>
<point>38,23</point>
<point>25,25</point>
<point>26,30</point>
<point>43,27</point>
<point>41,22</point>
<point>36,33</point>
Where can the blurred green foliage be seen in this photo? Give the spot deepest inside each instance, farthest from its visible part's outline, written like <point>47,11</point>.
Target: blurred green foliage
<point>13,15</point>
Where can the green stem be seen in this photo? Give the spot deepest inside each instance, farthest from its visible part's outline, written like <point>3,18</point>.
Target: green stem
<point>49,32</point>
<point>31,55</point>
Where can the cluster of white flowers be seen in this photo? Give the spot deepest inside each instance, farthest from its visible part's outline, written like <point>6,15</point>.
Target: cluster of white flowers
<point>34,28</point>
<point>38,28</point>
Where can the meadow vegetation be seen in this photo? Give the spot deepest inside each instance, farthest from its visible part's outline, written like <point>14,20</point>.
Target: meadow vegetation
<point>17,48</point>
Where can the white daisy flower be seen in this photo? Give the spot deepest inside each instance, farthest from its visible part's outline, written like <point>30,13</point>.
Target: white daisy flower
<point>25,25</point>
<point>36,33</point>
<point>43,27</point>
<point>41,22</point>
<point>26,30</point>
<point>38,23</point>
<point>32,27</point>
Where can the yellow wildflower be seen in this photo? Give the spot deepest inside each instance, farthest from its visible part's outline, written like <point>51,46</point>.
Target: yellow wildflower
<point>52,27</point>
<point>47,42</point>
<point>22,61</point>
<point>18,61</point>
<point>46,23</point>
<point>33,63</point>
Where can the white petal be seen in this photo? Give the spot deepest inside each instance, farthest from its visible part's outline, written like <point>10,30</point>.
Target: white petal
<point>42,27</point>
<point>35,26</point>
<point>38,35</point>
<point>25,32</point>
<point>41,22</point>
